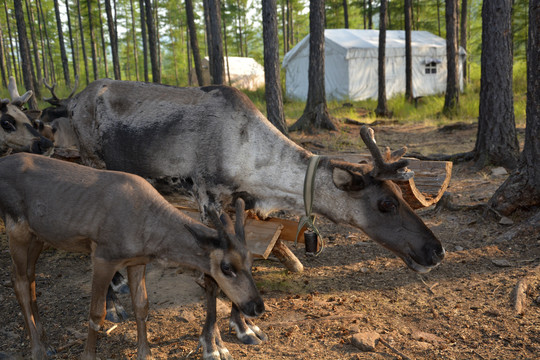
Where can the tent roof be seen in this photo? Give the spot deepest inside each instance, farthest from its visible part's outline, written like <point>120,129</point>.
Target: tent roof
<point>363,43</point>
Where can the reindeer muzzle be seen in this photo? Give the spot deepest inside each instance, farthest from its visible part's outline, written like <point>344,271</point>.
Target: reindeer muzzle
<point>41,144</point>
<point>252,308</point>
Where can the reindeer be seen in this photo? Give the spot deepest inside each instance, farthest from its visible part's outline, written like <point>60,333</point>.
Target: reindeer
<point>18,133</point>
<point>213,143</point>
<point>123,222</point>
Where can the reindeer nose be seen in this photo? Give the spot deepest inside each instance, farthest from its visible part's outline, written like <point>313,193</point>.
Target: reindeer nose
<point>253,308</point>
<point>436,254</point>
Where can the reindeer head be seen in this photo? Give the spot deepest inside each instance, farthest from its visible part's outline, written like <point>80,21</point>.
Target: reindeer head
<point>17,133</point>
<point>373,202</point>
<point>230,261</point>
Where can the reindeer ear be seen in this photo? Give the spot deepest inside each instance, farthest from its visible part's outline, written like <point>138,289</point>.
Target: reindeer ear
<point>206,238</point>
<point>346,180</point>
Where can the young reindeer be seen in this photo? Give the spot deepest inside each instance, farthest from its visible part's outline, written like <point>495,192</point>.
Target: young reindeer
<point>123,222</point>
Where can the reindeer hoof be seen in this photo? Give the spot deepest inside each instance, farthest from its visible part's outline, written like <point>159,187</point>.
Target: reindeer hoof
<point>248,334</point>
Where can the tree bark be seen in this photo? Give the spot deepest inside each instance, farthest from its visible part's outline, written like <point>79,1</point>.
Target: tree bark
<point>13,71</point>
<point>63,54</point>
<point>35,47</point>
<point>451,99</point>
<point>194,42</point>
<point>522,188</point>
<point>274,98</point>
<point>26,62</point>
<point>382,107</point>
<point>346,14</point>
<point>2,62</point>
<point>152,42</point>
<point>370,15</point>
<point>113,36</point>
<point>216,61</point>
<point>315,114</point>
<point>463,35</point>
<point>144,39</point>
<point>408,51</point>
<point>73,50</point>
<point>103,46</point>
<point>496,141</point>
<point>83,44</point>
<point>134,37</point>
<point>92,40</point>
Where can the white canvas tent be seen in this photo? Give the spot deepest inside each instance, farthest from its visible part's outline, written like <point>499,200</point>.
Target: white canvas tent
<point>246,73</point>
<point>351,64</point>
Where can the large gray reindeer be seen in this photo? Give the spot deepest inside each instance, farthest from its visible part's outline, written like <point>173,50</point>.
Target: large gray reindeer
<point>17,133</point>
<point>213,142</point>
<point>123,222</point>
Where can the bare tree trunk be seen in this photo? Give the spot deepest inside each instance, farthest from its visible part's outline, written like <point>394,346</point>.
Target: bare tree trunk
<point>496,141</point>
<point>2,62</point>
<point>73,50</point>
<point>134,37</point>
<point>63,55</point>
<point>216,62</point>
<point>194,42</point>
<point>364,12</point>
<point>439,16</point>
<point>346,13</point>
<point>144,39</point>
<point>370,15</point>
<point>42,42</point>
<point>382,107</point>
<point>228,71</point>
<point>274,98</point>
<point>103,46</point>
<point>284,26</point>
<point>408,52</point>
<point>113,36</point>
<point>35,46</point>
<point>92,40</point>
<point>240,30</point>
<point>15,71</point>
<point>152,42</point>
<point>290,24</point>
<point>26,62</point>
<point>522,188</point>
<point>463,35</point>
<point>451,99</point>
<point>315,114</point>
<point>83,45</point>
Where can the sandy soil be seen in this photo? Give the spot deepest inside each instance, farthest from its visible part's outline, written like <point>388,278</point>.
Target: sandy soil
<point>461,310</point>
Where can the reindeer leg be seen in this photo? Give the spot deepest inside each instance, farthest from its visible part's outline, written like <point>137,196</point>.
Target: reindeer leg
<point>101,277</point>
<point>139,298</point>
<point>246,331</point>
<point>115,311</point>
<point>213,348</point>
<point>24,254</point>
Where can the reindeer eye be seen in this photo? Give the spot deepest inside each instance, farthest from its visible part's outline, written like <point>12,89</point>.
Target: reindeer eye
<point>386,206</point>
<point>227,269</point>
<point>8,125</point>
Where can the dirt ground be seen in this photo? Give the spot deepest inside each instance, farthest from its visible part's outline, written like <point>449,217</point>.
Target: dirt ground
<point>461,310</point>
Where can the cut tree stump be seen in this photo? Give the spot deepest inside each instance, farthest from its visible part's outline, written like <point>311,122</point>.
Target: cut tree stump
<point>430,180</point>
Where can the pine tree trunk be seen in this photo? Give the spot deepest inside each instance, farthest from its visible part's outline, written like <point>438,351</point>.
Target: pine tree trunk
<point>35,47</point>
<point>92,41</point>
<point>2,62</point>
<point>216,62</point>
<point>370,15</point>
<point>83,44</point>
<point>73,50</point>
<point>315,114</point>
<point>134,36</point>
<point>274,98</point>
<point>63,55</point>
<point>13,71</point>
<point>451,99</point>
<point>144,38</point>
<point>26,62</point>
<point>382,107</point>
<point>496,142</point>
<point>346,14</point>
<point>463,35</point>
<point>42,42</point>
<point>113,36</point>
<point>103,46</point>
<point>52,72</point>
<point>152,42</point>
<point>408,51</point>
<point>194,42</point>
<point>522,188</point>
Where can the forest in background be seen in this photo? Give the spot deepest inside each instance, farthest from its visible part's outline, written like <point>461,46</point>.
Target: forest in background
<point>84,28</point>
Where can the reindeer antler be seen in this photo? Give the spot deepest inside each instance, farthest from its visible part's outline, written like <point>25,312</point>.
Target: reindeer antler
<point>394,169</point>
<point>54,99</point>
<point>16,99</point>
